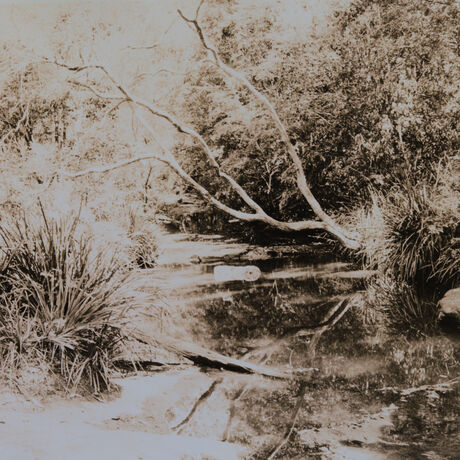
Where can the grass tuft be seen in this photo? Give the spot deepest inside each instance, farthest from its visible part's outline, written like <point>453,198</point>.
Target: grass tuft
<point>62,300</point>
<point>411,236</point>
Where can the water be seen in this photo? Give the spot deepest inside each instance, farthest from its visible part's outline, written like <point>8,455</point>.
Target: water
<point>345,411</point>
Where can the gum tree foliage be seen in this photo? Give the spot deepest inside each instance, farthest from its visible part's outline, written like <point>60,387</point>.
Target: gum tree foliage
<point>370,103</point>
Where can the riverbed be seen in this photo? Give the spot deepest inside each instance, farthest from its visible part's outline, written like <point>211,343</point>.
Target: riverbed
<point>353,397</point>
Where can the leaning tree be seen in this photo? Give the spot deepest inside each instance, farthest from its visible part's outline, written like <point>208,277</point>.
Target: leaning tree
<point>251,210</point>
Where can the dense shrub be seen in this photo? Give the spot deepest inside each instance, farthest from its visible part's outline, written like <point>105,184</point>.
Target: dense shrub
<point>411,235</point>
<point>370,103</point>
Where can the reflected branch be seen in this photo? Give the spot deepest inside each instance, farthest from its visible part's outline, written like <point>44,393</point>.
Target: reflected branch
<point>201,400</point>
<point>295,414</point>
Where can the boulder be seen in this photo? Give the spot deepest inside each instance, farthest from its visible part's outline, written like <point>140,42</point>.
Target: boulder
<point>449,310</point>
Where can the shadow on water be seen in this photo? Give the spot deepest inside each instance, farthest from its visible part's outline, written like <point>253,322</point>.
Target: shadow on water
<point>353,406</point>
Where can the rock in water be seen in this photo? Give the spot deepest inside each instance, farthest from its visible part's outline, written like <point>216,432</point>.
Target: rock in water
<point>224,273</point>
<point>449,312</point>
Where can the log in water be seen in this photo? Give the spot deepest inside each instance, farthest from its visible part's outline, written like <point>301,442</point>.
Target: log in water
<point>224,273</point>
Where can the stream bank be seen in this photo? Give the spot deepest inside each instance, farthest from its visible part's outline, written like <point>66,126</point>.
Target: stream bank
<point>366,396</point>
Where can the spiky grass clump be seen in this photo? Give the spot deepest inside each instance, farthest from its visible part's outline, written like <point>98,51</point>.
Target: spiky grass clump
<point>421,231</point>
<point>411,237</point>
<point>62,301</point>
<point>411,233</point>
<point>401,308</point>
<point>144,250</point>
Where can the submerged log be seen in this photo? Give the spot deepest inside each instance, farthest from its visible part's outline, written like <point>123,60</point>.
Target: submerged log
<point>208,358</point>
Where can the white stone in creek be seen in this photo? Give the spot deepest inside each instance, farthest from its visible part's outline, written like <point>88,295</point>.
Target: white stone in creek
<point>450,303</point>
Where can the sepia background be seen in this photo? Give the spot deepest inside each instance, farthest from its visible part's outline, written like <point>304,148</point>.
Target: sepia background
<point>229,229</point>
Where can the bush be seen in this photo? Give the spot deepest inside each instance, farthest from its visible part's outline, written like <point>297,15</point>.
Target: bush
<point>62,301</point>
<point>369,102</point>
<point>411,236</point>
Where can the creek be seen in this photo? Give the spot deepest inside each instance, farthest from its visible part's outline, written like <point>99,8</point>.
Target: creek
<point>352,407</point>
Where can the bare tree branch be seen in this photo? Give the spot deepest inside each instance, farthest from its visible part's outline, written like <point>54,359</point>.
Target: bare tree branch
<point>110,167</point>
<point>260,214</point>
<point>112,109</point>
<point>95,91</point>
<point>141,76</point>
<point>303,186</point>
<point>168,158</point>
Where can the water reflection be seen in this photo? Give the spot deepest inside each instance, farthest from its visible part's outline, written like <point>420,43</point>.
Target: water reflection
<point>342,407</point>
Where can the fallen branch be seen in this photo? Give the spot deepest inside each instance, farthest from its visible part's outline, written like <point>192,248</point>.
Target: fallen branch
<point>438,388</point>
<point>134,365</point>
<point>168,158</point>
<point>341,234</point>
<point>379,443</point>
<point>325,223</point>
<point>209,358</point>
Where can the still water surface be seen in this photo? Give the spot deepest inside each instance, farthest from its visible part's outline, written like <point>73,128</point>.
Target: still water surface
<point>346,412</point>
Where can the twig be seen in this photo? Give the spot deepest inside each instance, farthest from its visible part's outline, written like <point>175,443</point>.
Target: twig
<point>239,394</point>
<point>203,398</point>
<point>146,186</point>
<point>110,167</point>
<point>290,428</point>
<point>155,44</point>
<point>141,76</point>
<point>95,92</point>
<point>112,109</point>
<point>231,414</point>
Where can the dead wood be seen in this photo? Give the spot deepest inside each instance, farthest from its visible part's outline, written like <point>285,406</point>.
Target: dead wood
<point>204,357</point>
<point>332,227</point>
<point>437,388</point>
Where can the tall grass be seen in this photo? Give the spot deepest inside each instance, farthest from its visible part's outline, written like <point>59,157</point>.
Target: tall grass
<point>411,235</point>
<point>63,300</point>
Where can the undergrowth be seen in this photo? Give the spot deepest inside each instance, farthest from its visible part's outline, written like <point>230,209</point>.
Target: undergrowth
<point>63,302</point>
<point>411,236</point>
